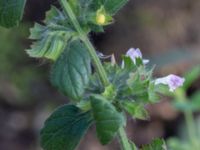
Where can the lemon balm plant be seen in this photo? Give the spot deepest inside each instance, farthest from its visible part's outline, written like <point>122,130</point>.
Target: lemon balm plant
<point>100,93</point>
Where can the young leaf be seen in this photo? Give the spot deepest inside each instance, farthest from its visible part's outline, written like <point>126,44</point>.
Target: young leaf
<point>152,94</point>
<point>54,15</point>
<point>64,129</point>
<point>157,144</point>
<point>71,72</point>
<point>11,12</point>
<point>136,110</point>
<point>110,92</point>
<point>114,6</point>
<point>107,119</point>
<point>138,87</point>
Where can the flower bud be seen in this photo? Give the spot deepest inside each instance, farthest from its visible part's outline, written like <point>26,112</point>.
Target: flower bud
<point>100,19</point>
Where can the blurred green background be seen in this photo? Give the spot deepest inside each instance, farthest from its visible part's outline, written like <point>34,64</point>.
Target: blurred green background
<point>167,32</point>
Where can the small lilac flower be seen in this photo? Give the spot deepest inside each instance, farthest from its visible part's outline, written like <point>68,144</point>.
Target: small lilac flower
<point>133,54</point>
<point>173,81</point>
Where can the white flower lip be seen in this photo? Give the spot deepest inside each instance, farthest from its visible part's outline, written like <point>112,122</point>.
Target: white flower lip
<point>173,81</point>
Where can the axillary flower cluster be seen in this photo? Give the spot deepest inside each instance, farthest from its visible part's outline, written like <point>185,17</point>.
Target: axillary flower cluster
<point>172,81</point>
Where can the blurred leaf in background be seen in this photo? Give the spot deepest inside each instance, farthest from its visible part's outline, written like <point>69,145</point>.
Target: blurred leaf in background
<point>17,75</point>
<point>11,12</point>
<point>187,104</point>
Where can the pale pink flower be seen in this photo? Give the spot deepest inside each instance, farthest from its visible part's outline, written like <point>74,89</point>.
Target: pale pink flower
<point>173,81</point>
<point>136,53</point>
<point>133,54</point>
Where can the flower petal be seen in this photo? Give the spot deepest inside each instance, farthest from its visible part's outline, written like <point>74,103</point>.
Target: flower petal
<point>133,54</point>
<point>173,81</point>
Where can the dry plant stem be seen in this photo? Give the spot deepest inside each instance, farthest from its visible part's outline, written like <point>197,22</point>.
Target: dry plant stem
<point>64,3</point>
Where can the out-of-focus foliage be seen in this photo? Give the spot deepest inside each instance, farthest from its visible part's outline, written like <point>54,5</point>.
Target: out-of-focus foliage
<point>156,144</point>
<point>16,77</point>
<point>11,12</point>
<point>187,105</point>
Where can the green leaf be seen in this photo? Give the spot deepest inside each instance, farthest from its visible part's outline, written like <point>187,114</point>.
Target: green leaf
<point>192,105</point>
<point>52,38</point>
<point>177,144</point>
<point>113,6</point>
<point>110,92</point>
<point>157,144</point>
<point>138,87</point>
<point>11,12</point>
<point>117,76</point>
<point>136,110</point>
<point>191,76</point>
<point>64,129</point>
<point>164,90</point>
<point>107,119</point>
<point>152,93</point>
<point>71,72</point>
<point>128,63</point>
<point>54,15</point>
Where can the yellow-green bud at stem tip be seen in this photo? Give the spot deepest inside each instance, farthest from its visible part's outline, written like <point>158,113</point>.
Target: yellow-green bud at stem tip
<point>101,19</point>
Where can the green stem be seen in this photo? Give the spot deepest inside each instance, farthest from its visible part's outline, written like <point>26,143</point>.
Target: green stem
<point>122,135</point>
<point>189,118</point>
<point>86,41</point>
<point>190,125</point>
<point>124,140</point>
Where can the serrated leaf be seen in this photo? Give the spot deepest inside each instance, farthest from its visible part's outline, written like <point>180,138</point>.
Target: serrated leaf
<point>51,38</point>
<point>64,129</point>
<point>136,110</point>
<point>54,15</point>
<point>117,76</point>
<point>157,144</point>
<point>138,87</point>
<point>107,119</point>
<point>11,12</point>
<point>71,72</point>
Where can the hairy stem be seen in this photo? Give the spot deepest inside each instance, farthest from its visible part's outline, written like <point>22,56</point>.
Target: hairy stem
<point>124,140</point>
<point>122,135</point>
<point>86,41</point>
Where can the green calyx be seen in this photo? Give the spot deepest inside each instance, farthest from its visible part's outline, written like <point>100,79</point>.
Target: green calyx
<point>102,17</point>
